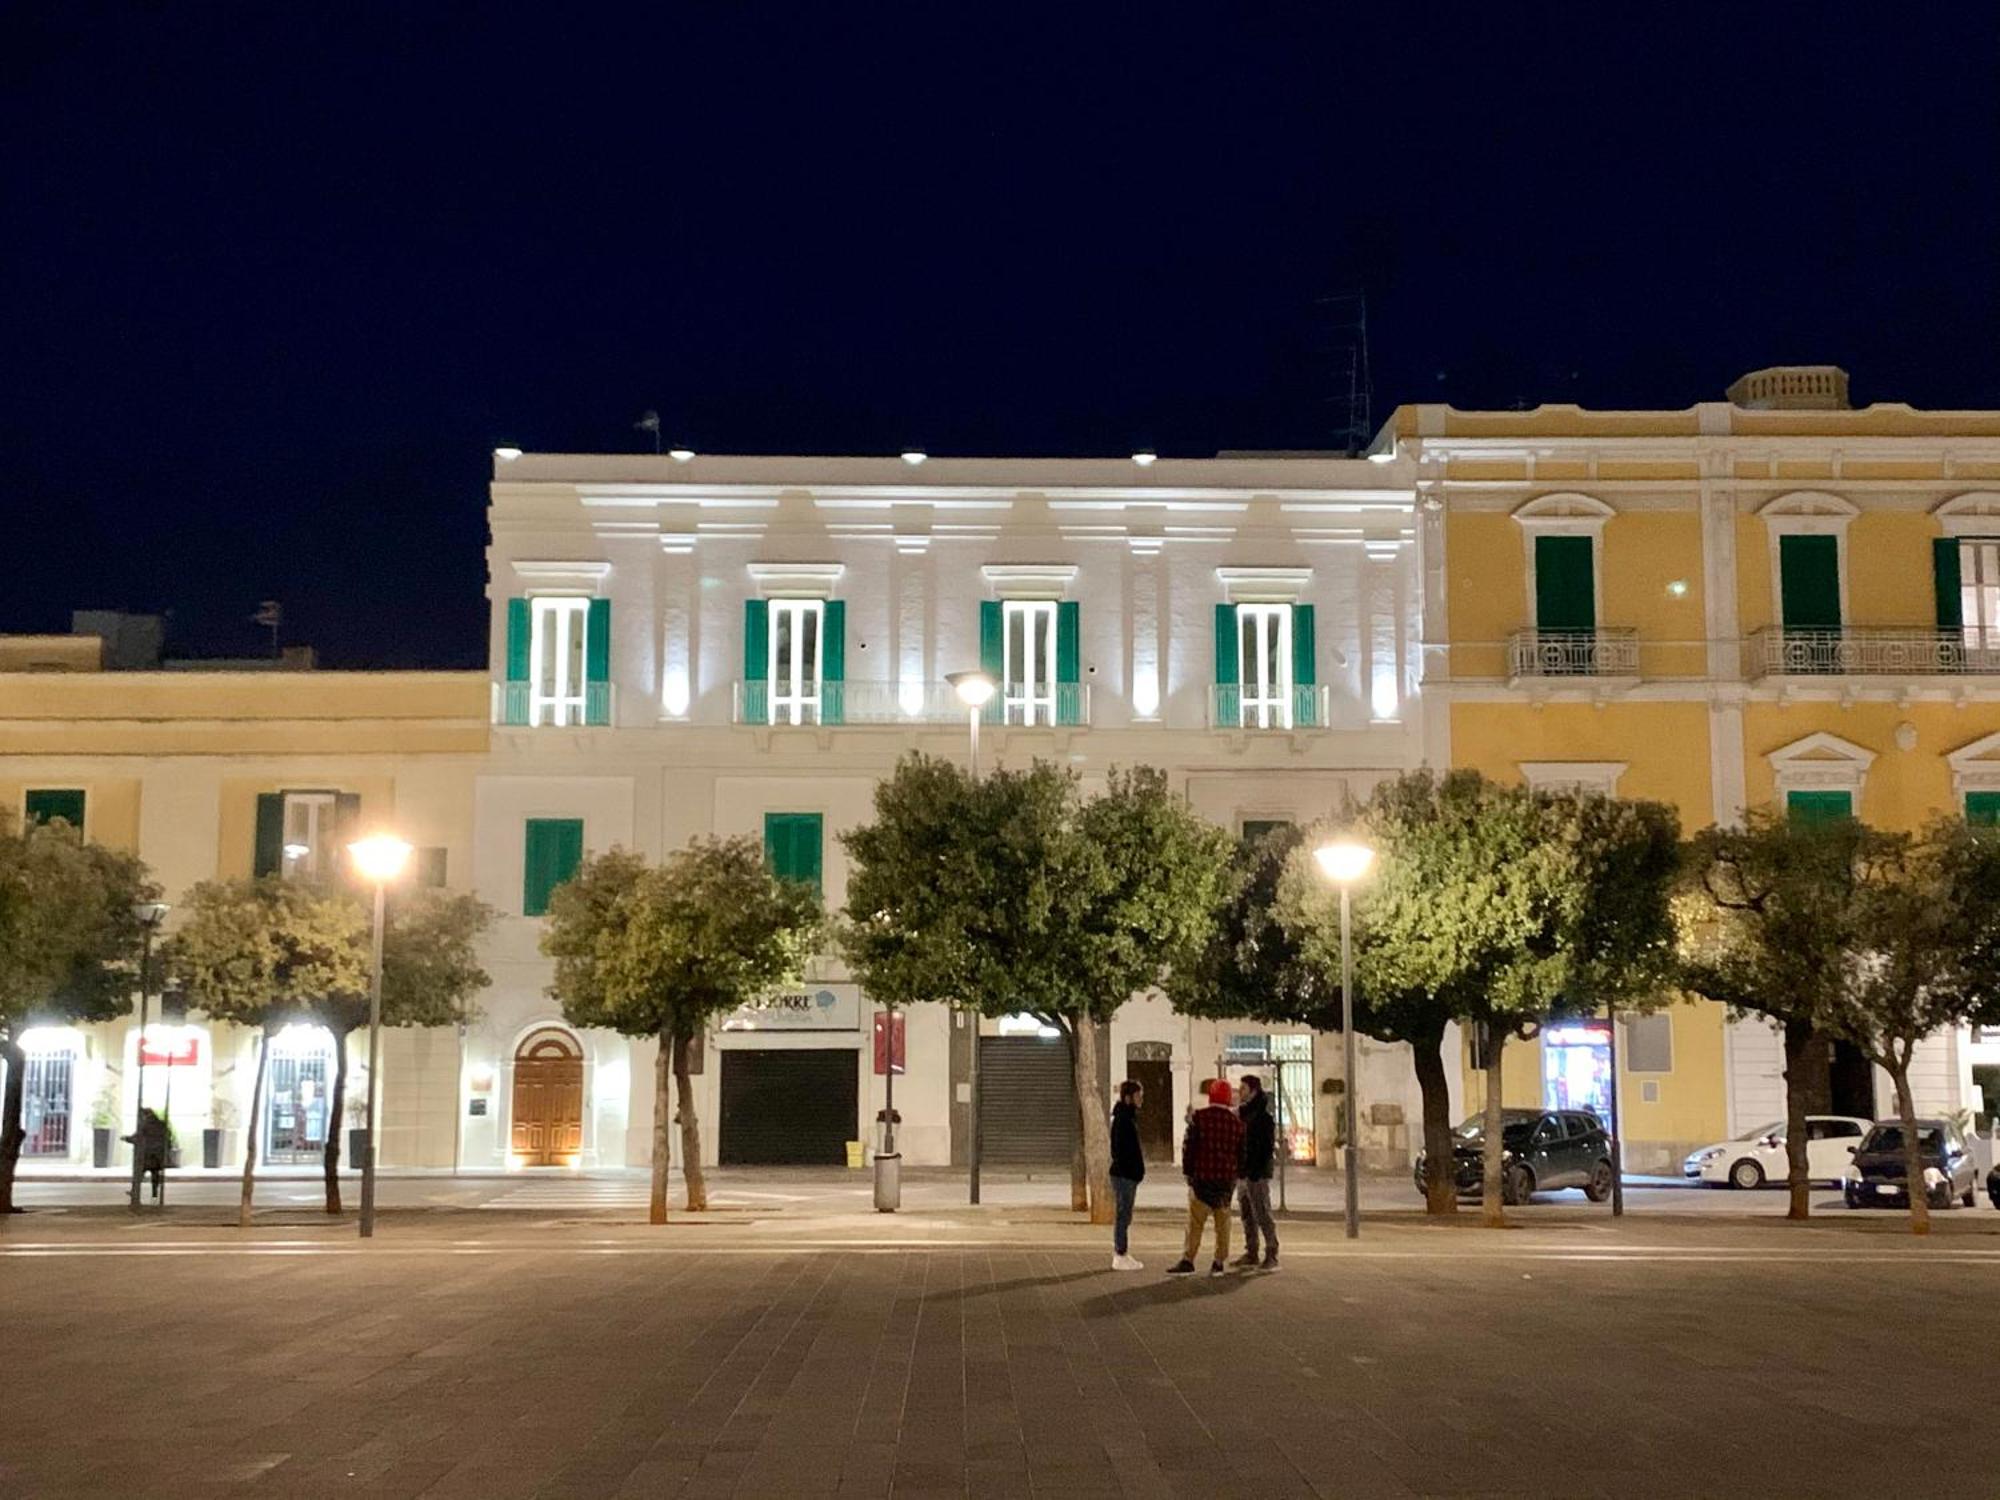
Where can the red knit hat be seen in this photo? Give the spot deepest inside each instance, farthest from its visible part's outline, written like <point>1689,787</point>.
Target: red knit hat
<point>1221,1091</point>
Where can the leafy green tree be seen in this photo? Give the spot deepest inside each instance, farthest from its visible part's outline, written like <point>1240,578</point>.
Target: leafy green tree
<point>658,951</point>
<point>1013,894</point>
<point>263,953</point>
<point>69,949</point>
<point>1769,914</point>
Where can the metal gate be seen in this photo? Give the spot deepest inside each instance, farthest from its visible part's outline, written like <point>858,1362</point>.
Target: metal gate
<point>296,1119</point>
<point>1027,1101</point>
<point>45,1103</point>
<point>789,1106</point>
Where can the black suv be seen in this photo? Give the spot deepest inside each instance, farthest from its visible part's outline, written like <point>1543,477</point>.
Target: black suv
<point>1541,1150</point>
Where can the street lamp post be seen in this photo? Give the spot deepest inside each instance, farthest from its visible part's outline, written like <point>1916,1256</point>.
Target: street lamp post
<point>975,690</point>
<point>380,859</point>
<point>1343,862</point>
<point>150,915</point>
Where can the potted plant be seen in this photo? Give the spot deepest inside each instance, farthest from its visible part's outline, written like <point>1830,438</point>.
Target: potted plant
<point>103,1124</point>
<point>357,1129</point>
<point>215,1139</point>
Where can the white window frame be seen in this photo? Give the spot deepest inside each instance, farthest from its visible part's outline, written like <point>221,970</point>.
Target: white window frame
<point>308,830</point>
<point>793,698</point>
<point>559,624</point>
<point>1028,688</point>
<point>1979,595</point>
<point>1264,704</point>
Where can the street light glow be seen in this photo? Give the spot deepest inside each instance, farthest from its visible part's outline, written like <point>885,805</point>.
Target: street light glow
<point>1344,861</point>
<point>380,857</point>
<point>973,688</point>
<point>913,456</point>
<point>1145,458</point>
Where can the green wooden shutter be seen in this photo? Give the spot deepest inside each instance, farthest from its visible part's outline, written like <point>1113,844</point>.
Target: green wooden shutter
<point>1812,808</point>
<point>792,846</point>
<point>993,656</point>
<point>1809,581</point>
<point>597,662</point>
<point>46,804</point>
<point>1982,809</point>
<point>1069,662</point>
<point>1305,668</point>
<point>756,662</point>
<point>520,635</point>
<point>1944,576</point>
<point>833,662</point>
<point>1565,590</point>
<point>269,858</point>
<point>552,850</point>
<point>1228,660</point>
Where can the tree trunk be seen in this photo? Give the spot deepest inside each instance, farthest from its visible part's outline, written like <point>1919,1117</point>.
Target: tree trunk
<point>250,1134</point>
<point>1079,1169</point>
<point>1440,1188</point>
<point>697,1184</point>
<point>12,1136</point>
<point>1802,1052</point>
<point>663,1072</point>
<point>335,1117</point>
<point>1096,1138</point>
<point>1914,1187</point>
<point>1492,1196</point>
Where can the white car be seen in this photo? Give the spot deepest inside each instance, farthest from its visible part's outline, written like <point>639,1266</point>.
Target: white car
<point>1758,1158</point>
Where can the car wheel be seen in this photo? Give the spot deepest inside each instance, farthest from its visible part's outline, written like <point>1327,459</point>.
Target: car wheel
<point>1599,1187</point>
<point>1942,1198</point>
<point>1518,1185</point>
<point>1994,1194</point>
<point>1853,1198</point>
<point>1968,1198</point>
<point>1746,1174</point>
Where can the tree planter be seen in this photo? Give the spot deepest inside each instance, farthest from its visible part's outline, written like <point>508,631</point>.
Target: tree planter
<point>211,1148</point>
<point>101,1137</point>
<point>357,1142</point>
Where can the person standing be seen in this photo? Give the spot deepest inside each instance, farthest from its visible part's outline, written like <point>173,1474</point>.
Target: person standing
<point>149,1149</point>
<point>1128,1170</point>
<point>1211,1152</point>
<point>1260,1150</point>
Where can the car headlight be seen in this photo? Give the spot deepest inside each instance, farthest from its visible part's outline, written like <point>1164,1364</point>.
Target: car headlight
<point>1705,1157</point>
<point>1933,1177</point>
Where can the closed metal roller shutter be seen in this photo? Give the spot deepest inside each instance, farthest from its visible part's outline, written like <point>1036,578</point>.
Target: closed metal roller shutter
<point>1027,1101</point>
<point>789,1108</point>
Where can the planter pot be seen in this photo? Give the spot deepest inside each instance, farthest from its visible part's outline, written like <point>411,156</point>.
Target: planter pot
<point>101,1137</point>
<point>211,1149</point>
<point>357,1143</point>
<point>174,1156</point>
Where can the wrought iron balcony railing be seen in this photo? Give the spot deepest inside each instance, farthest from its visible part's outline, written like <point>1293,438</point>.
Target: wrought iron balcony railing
<point>1232,706</point>
<point>1612,652</point>
<point>1872,651</point>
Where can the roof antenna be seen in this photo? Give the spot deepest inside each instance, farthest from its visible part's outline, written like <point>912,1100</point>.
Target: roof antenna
<point>649,421</point>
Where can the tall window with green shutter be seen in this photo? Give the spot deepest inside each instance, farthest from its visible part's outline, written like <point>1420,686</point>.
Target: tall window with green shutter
<point>1265,675</point>
<point>792,846</point>
<point>1809,601</point>
<point>558,661</point>
<point>50,804</point>
<point>1810,807</point>
<point>1966,571</point>
<point>794,661</point>
<point>1982,809</point>
<point>552,850</point>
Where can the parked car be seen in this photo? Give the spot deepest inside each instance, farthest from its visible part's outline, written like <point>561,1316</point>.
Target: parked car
<point>1875,1177</point>
<point>1542,1150</point>
<point>1758,1156</point>
<point>1993,1187</point>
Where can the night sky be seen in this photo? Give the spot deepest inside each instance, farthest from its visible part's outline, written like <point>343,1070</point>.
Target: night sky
<point>276,278</point>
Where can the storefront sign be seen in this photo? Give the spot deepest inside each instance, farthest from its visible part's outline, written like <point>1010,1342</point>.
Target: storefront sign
<point>170,1049</point>
<point>819,1007</point>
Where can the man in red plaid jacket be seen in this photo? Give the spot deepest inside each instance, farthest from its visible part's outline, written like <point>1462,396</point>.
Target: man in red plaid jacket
<point>1211,1157</point>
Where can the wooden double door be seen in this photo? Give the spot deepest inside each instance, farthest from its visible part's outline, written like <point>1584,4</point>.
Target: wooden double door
<point>548,1101</point>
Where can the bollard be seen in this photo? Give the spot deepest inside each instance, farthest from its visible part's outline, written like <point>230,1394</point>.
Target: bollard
<point>888,1182</point>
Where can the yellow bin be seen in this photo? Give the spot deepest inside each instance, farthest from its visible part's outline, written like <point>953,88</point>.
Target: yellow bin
<point>854,1156</point>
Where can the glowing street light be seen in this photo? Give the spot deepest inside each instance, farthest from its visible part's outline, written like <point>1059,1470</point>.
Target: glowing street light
<point>1344,861</point>
<point>379,859</point>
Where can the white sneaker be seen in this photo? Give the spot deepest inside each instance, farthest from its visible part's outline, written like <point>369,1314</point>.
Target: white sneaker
<point>1126,1263</point>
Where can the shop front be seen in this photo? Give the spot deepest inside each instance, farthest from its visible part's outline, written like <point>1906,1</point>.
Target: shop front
<point>790,1078</point>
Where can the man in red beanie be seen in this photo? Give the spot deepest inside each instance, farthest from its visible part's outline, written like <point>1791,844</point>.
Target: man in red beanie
<point>1210,1154</point>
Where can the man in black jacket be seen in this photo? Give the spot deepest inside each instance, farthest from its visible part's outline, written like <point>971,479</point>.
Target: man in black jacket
<point>1260,1150</point>
<point>1128,1170</point>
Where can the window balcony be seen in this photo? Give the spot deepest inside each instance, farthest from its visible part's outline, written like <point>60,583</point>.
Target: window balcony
<point>893,703</point>
<point>1869,651</point>
<point>513,706</point>
<point>1610,652</point>
<point>1231,706</point>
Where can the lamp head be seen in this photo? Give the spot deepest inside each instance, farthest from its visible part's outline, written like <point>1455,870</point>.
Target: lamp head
<point>151,913</point>
<point>380,857</point>
<point>973,688</point>
<point>1344,861</point>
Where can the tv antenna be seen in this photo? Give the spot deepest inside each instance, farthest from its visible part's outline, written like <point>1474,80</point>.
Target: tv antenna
<point>1344,320</point>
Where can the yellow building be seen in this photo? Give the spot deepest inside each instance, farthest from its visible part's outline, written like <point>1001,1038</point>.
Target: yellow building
<point>221,773</point>
<point>1771,601</point>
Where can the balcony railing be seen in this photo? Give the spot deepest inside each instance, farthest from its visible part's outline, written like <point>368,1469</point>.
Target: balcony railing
<point>1573,653</point>
<point>511,703</point>
<point>899,703</point>
<point>1868,651</point>
<point>1230,706</point>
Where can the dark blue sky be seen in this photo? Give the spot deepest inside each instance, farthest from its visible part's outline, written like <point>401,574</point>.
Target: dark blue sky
<point>275,278</point>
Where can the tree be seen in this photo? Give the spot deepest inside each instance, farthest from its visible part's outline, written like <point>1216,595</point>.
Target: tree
<point>1768,915</point>
<point>659,950</point>
<point>70,943</point>
<point>1014,895</point>
<point>262,953</point>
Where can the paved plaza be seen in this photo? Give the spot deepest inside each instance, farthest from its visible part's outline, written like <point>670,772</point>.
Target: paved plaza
<point>990,1353</point>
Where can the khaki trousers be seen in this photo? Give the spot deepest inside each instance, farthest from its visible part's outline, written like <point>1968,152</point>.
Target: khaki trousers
<point>1199,1213</point>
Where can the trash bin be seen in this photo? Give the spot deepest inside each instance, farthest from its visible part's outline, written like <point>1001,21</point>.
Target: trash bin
<point>888,1182</point>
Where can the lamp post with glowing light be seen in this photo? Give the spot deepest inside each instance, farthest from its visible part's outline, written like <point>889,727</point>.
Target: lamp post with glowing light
<point>1345,861</point>
<point>150,914</point>
<point>975,690</point>
<point>380,859</point>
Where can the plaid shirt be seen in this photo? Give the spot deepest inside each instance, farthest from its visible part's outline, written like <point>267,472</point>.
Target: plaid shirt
<point>1213,1146</point>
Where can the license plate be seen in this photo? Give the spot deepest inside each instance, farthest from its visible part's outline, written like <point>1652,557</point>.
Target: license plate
<point>1889,1190</point>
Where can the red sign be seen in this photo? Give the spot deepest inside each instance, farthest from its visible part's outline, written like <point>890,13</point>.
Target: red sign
<point>182,1051</point>
<point>883,1019</point>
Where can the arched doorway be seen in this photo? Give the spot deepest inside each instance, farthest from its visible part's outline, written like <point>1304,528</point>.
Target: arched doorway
<point>548,1100</point>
